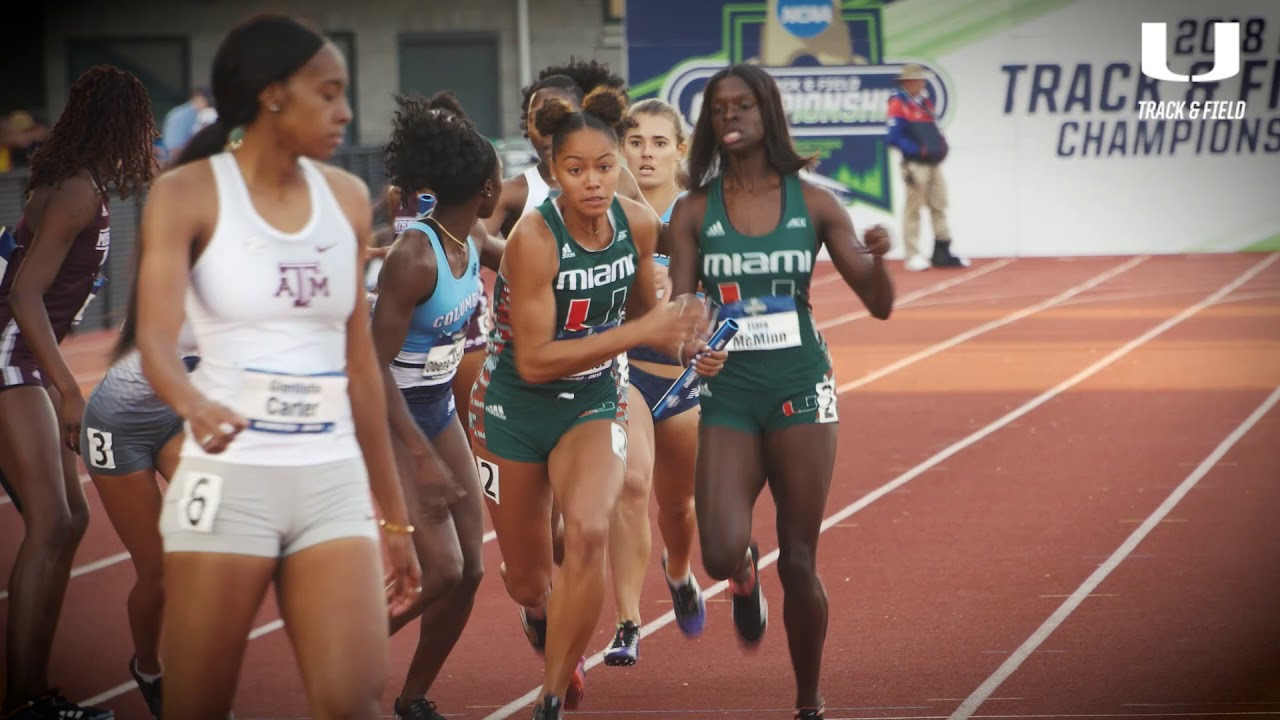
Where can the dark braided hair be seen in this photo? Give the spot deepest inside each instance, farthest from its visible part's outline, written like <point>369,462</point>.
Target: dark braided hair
<point>602,110</point>
<point>434,145</point>
<point>106,127</point>
<point>586,75</point>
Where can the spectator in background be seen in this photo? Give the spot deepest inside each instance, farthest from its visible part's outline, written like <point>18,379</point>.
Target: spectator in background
<point>182,122</point>
<point>21,133</point>
<point>914,131</point>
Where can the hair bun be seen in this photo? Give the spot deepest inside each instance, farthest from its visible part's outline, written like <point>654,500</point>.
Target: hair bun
<point>445,100</point>
<point>607,103</point>
<point>552,116</point>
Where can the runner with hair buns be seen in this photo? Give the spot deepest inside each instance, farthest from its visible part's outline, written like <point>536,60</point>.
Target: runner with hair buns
<point>259,247</point>
<point>569,83</point>
<point>771,416</point>
<point>549,411</point>
<point>429,290</point>
<point>101,143</point>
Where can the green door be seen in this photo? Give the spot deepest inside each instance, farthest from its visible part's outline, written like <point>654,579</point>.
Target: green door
<point>464,63</point>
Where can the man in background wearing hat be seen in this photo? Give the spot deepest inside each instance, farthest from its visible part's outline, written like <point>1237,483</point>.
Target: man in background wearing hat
<point>914,131</point>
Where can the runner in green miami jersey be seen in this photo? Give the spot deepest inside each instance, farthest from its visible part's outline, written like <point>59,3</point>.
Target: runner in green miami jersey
<point>548,412</point>
<point>750,233</point>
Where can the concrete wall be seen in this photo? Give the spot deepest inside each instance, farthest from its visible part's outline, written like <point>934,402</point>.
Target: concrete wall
<point>558,29</point>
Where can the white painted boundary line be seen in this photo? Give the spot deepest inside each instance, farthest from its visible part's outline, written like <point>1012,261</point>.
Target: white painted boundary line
<point>1042,633</point>
<point>528,698</point>
<point>850,317</point>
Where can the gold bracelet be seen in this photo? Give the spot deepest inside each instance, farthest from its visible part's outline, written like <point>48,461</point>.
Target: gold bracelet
<point>394,528</point>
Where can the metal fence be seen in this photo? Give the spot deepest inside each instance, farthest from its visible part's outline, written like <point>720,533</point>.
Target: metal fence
<point>108,309</point>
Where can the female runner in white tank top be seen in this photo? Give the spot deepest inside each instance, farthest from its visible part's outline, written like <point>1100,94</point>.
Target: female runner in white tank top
<point>263,245</point>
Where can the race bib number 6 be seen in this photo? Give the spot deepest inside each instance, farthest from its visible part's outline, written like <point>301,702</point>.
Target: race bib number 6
<point>199,502</point>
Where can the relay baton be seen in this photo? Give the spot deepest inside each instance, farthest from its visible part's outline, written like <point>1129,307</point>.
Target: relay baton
<point>681,386</point>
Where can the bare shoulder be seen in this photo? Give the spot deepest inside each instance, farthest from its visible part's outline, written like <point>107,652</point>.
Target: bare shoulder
<point>346,186</point>
<point>692,204</point>
<point>192,177</point>
<point>640,216</point>
<point>530,240</point>
<point>515,190</point>
<point>188,191</point>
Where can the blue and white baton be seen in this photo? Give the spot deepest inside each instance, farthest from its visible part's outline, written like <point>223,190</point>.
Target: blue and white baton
<point>681,386</point>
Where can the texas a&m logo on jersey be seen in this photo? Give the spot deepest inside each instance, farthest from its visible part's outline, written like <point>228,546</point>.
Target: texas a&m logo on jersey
<point>302,281</point>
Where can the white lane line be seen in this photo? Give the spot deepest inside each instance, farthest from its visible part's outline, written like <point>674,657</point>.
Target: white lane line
<point>6,500</point>
<point>1042,633</point>
<point>1012,317</point>
<point>849,317</point>
<point>714,590</point>
<point>87,568</point>
<point>922,292</point>
<point>843,514</point>
<point>254,634</point>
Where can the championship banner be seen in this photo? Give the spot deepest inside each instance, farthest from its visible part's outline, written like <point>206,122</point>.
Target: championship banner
<point>1075,126</point>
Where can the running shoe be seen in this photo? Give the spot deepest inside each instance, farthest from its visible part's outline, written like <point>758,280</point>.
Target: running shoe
<point>811,713</point>
<point>548,709</point>
<point>750,610</point>
<point>420,709</point>
<point>577,686</point>
<point>150,689</point>
<point>53,705</point>
<point>625,650</point>
<point>687,601</point>
<point>535,628</point>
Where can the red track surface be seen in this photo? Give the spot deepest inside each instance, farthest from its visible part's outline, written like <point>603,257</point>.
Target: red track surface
<point>964,527</point>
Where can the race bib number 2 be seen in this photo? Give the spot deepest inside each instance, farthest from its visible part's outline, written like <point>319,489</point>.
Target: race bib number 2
<point>199,502</point>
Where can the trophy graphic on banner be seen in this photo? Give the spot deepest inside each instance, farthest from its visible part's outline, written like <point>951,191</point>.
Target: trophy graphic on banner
<point>796,28</point>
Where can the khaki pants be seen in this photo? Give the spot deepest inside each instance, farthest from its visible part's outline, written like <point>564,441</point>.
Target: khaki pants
<point>925,186</point>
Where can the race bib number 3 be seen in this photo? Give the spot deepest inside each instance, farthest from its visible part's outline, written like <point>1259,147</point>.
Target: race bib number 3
<point>199,502</point>
<point>766,323</point>
<point>99,453</point>
<point>281,403</point>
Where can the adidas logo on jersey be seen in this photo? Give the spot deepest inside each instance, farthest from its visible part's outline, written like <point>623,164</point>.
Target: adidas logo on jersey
<point>496,411</point>
<point>797,222</point>
<point>566,252</point>
<point>716,230</point>
<point>622,235</point>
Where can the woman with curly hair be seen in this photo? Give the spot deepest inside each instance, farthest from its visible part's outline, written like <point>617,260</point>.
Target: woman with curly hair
<point>101,143</point>
<point>429,291</point>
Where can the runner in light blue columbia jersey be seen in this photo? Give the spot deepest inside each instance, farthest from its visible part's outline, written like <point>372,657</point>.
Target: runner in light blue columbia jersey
<point>430,294</point>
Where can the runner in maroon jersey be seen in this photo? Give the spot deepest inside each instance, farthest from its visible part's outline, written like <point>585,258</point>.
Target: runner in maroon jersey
<point>101,142</point>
